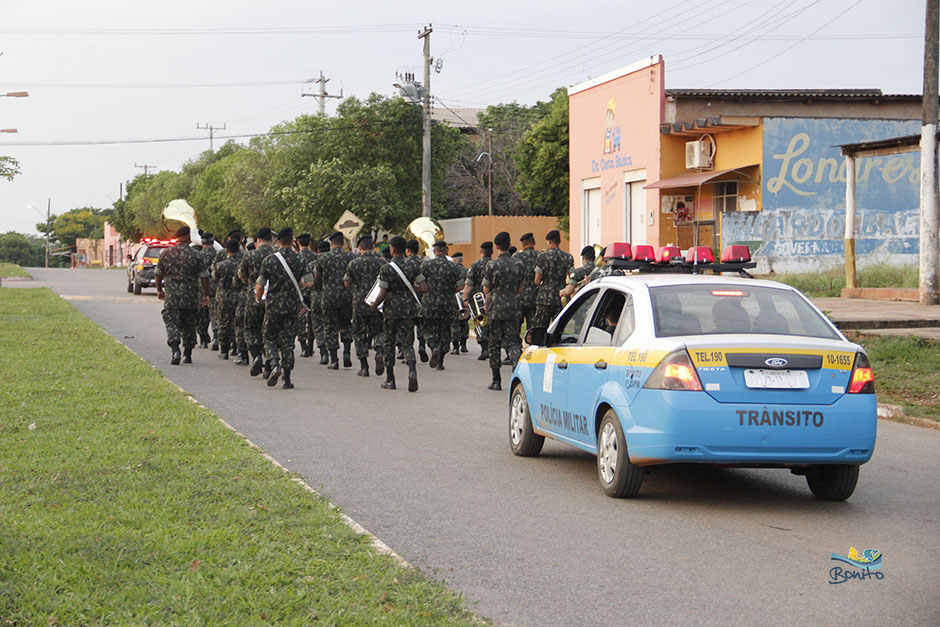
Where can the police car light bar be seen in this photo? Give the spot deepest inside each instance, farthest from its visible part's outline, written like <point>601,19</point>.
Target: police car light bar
<point>619,250</point>
<point>700,254</point>
<point>161,242</point>
<point>735,254</point>
<point>699,259</point>
<point>643,252</point>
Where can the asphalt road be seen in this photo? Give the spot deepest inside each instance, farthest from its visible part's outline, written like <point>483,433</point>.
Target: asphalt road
<point>536,541</point>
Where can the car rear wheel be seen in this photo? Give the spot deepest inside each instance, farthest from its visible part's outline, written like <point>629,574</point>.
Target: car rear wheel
<point>522,439</point>
<point>619,477</point>
<point>832,483</point>
<point>137,286</point>
<point>130,286</point>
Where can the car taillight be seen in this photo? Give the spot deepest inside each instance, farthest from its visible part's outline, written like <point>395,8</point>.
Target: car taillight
<point>863,379</point>
<point>675,372</point>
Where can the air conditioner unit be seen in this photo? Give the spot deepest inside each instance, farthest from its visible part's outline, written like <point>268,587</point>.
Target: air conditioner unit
<point>700,155</point>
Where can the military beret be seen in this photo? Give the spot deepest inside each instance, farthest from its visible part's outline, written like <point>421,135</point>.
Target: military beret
<point>397,242</point>
<point>250,246</point>
<point>512,250</point>
<point>588,251</point>
<point>440,244</point>
<point>264,233</point>
<point>501,239</point>
<point>235,234</point>
<point>413,245</point>
<point>337,237</point>
<point>323,246</point>
<point>183,231</point>
<point>285,234</point>
<point>303,239</point>
<point>487,246</point>
<point>458,254</point>
<point>367,239</point>
<point>207,237</point>
<point>527,237</point>
<point>231,245</point>
<point>553,236</point>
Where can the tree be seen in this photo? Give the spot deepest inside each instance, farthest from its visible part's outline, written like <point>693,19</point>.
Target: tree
<point>21,250</point>
<point>9,167</point>
<point>64,229</point>
<point>542,158</point>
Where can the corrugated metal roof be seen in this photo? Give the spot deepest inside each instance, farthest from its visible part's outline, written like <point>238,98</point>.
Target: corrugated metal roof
<point>458,117</point>
<point>786,94</point>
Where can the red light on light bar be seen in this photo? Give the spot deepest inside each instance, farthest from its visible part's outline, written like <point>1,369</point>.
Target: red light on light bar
<point>728,293</point>
<point>666,254</point>
<point>643,252</point>
<point>700,254</point>
<point>619,250</point>
<point>735,254</point>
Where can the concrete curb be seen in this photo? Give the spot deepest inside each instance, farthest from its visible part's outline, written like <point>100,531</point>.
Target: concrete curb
<point>895,413</point>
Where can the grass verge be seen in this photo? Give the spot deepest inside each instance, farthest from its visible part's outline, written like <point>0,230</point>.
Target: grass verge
<point>829,283</point>
<point>12,271</point>
<point>123,502</point>
<point>907,372</point>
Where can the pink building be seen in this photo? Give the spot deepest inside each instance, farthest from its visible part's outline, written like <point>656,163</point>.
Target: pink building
<point>115,249</point>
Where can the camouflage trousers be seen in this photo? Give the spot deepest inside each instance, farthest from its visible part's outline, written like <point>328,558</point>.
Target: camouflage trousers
<point>316,321</point>
<point>437,331</point>
<point>459,330</point>
<point>504,334</point>
<point>399,332</point>
<point>544,314</point>
<point>180,325</point>
<point>254,320</point>
<point>528,316</point>
<point>279,332</point>
<point>337,324</point>
<point>225,313</point>
<point>239,324</point>
<point>367,330</point>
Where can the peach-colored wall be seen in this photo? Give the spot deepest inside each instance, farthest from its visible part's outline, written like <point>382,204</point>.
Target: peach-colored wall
<point>638,100</point>
<point>485,227</point>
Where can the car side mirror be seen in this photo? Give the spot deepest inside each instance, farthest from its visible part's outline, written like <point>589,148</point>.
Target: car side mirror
<point>130,257</point>
<point>537,336</point>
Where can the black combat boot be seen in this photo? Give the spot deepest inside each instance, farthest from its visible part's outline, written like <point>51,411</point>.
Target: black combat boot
<point>267,369</point>
<point>484,352</point>
<point>334,360</point>
<point>324,358</point>
<point>223,352</point>
<point>242,359</point>
<point>422,353</point>
<point>304,347</point>
<point>456,349</point>
<point>389,383</point>
<point>175,357</point>
<point>412,376</point>
<point>440,362</point>
<point>435,358</point>
<point>463,346</point>
<point>275,373</point>
<point>215,343</point>
<point>497,383</point>
<point>257,365</point>
<point>379,361</point>
<point>187,355</point>
<point>287,384</point>
<point>347,358</point>
<point>364,370</point>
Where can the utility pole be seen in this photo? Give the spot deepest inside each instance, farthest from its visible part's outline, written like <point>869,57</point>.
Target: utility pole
<point>929,222</point>
<point>212,129</point>
<point>321,95</point>
<point>426,152</point>
<point>489,149</point>
<point>145,167</point>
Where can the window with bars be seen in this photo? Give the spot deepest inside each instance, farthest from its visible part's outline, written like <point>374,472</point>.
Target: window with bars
<point>725,195</point>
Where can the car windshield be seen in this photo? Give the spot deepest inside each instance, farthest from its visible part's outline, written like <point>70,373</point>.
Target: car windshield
<point>714,308</point>
<point>154,251</point>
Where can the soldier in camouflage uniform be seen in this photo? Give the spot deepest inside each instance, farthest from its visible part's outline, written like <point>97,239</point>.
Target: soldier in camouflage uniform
<point>412,249</point>
<point>181,269</point>
<point>248,272</point>
<point>502,284</point>
<point>581,273</point>
<point>336,301</point>
<point>316,302</point>
<point>207,317</point>
<point>474,284</point>
<point>225,275</point>
<point>529,257</point>
<point>399,311</point>
<point>460,329</point>
<point>551,270</point>
<point>439,303</point>
<point>306,334</point>
<point>238,346</point>
<point>360,276</point>
<point>284,306</point>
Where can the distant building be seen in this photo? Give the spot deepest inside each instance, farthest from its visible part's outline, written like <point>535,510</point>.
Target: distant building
<point>111,250</point>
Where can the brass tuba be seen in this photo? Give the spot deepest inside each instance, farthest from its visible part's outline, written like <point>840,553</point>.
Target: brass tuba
<point>426,231</point>
<point>179,211</point>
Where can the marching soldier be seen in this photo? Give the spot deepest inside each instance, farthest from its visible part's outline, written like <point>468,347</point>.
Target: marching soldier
<point>411,256</point>
<point>241,289</point>
<point>550,272</point>
<point>306,328</point>
<point>474,284</point>
<point>284,307</point>
<point>460,329</point>
<point>398,282</point>
<point>502,284</point>
<point>439,303</point>
<point>529,257</point>
<point>316,303</point>
<point>248,272</point>
<point>361,274</point>
<point>182,270</point>
<point>579,274</point>
<point>336,302</point>
<point>207,315</point>
<point>225,275</point>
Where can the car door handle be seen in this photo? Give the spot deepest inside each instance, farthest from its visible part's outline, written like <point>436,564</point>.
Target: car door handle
<point>600,365</point>
<point>563,365</point>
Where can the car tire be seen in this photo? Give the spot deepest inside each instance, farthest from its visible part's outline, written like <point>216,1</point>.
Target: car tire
<point>130,286</point>
<point>832,483</point>
<point>137,287</point>
<point>619,477</point>
<point>522,438</point>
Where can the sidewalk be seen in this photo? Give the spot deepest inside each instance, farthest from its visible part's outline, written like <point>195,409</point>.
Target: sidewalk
<point>880,317</point>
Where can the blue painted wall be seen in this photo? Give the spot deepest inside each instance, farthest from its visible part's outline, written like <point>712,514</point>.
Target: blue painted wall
<point>802,222</point>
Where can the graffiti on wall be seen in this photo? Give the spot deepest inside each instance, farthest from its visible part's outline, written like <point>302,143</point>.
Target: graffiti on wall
<point>804,175</point>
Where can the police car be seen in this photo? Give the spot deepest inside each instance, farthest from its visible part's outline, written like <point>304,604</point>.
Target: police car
<point>143,262</point>
<point>665,364</point>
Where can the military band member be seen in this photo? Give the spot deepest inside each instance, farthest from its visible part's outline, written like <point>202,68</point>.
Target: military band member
<point>439,304</point>
<point>240,345</point>
<point>248,272</point>
<point>181,270</point>
<point>316,303</point>
<point>401,305</point>
<point>460,329</point>
<point>551,270</point>
<point>361,274</point>
<point>502,284</point>
<point>225,275</point>
<point>412,249</point>
<point>336,300</point>
<point>529,257</point>
<point>283,307</point>
<point>306,333</point>
<point>581,274</point>
<point>207,316</point>
<point>474,284</point>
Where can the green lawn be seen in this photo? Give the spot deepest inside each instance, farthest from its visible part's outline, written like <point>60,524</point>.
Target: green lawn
<point>830,282</point>
<point>11,270</point>
<point>907,372</point>
<point>123,502</point>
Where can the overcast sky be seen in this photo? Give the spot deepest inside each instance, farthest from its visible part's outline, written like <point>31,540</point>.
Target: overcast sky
<point>115,71</point>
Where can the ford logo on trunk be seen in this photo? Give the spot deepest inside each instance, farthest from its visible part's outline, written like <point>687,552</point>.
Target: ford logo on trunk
<point>776,362</point>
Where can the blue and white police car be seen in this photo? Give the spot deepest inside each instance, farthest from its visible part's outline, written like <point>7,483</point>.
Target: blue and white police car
<point>654,367</point>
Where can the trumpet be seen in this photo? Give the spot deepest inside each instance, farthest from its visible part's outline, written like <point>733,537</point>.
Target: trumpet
<point>462,312</point>
<point>477,306</point>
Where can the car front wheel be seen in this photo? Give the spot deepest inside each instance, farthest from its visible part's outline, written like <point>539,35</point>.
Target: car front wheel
<point>619,477</point>
<point>832,483</point>
<point>137,286</point>
<point>522,439</point>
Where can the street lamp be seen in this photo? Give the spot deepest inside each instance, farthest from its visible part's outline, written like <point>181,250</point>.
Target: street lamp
<point>15,94</point>
<point>8,130</point>
<point>489,155</point>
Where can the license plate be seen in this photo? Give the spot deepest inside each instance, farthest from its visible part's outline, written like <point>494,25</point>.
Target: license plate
<point>776,379</point>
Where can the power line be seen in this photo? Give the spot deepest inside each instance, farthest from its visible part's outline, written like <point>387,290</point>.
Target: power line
<point>162,85</point>
<point>284,30</point>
